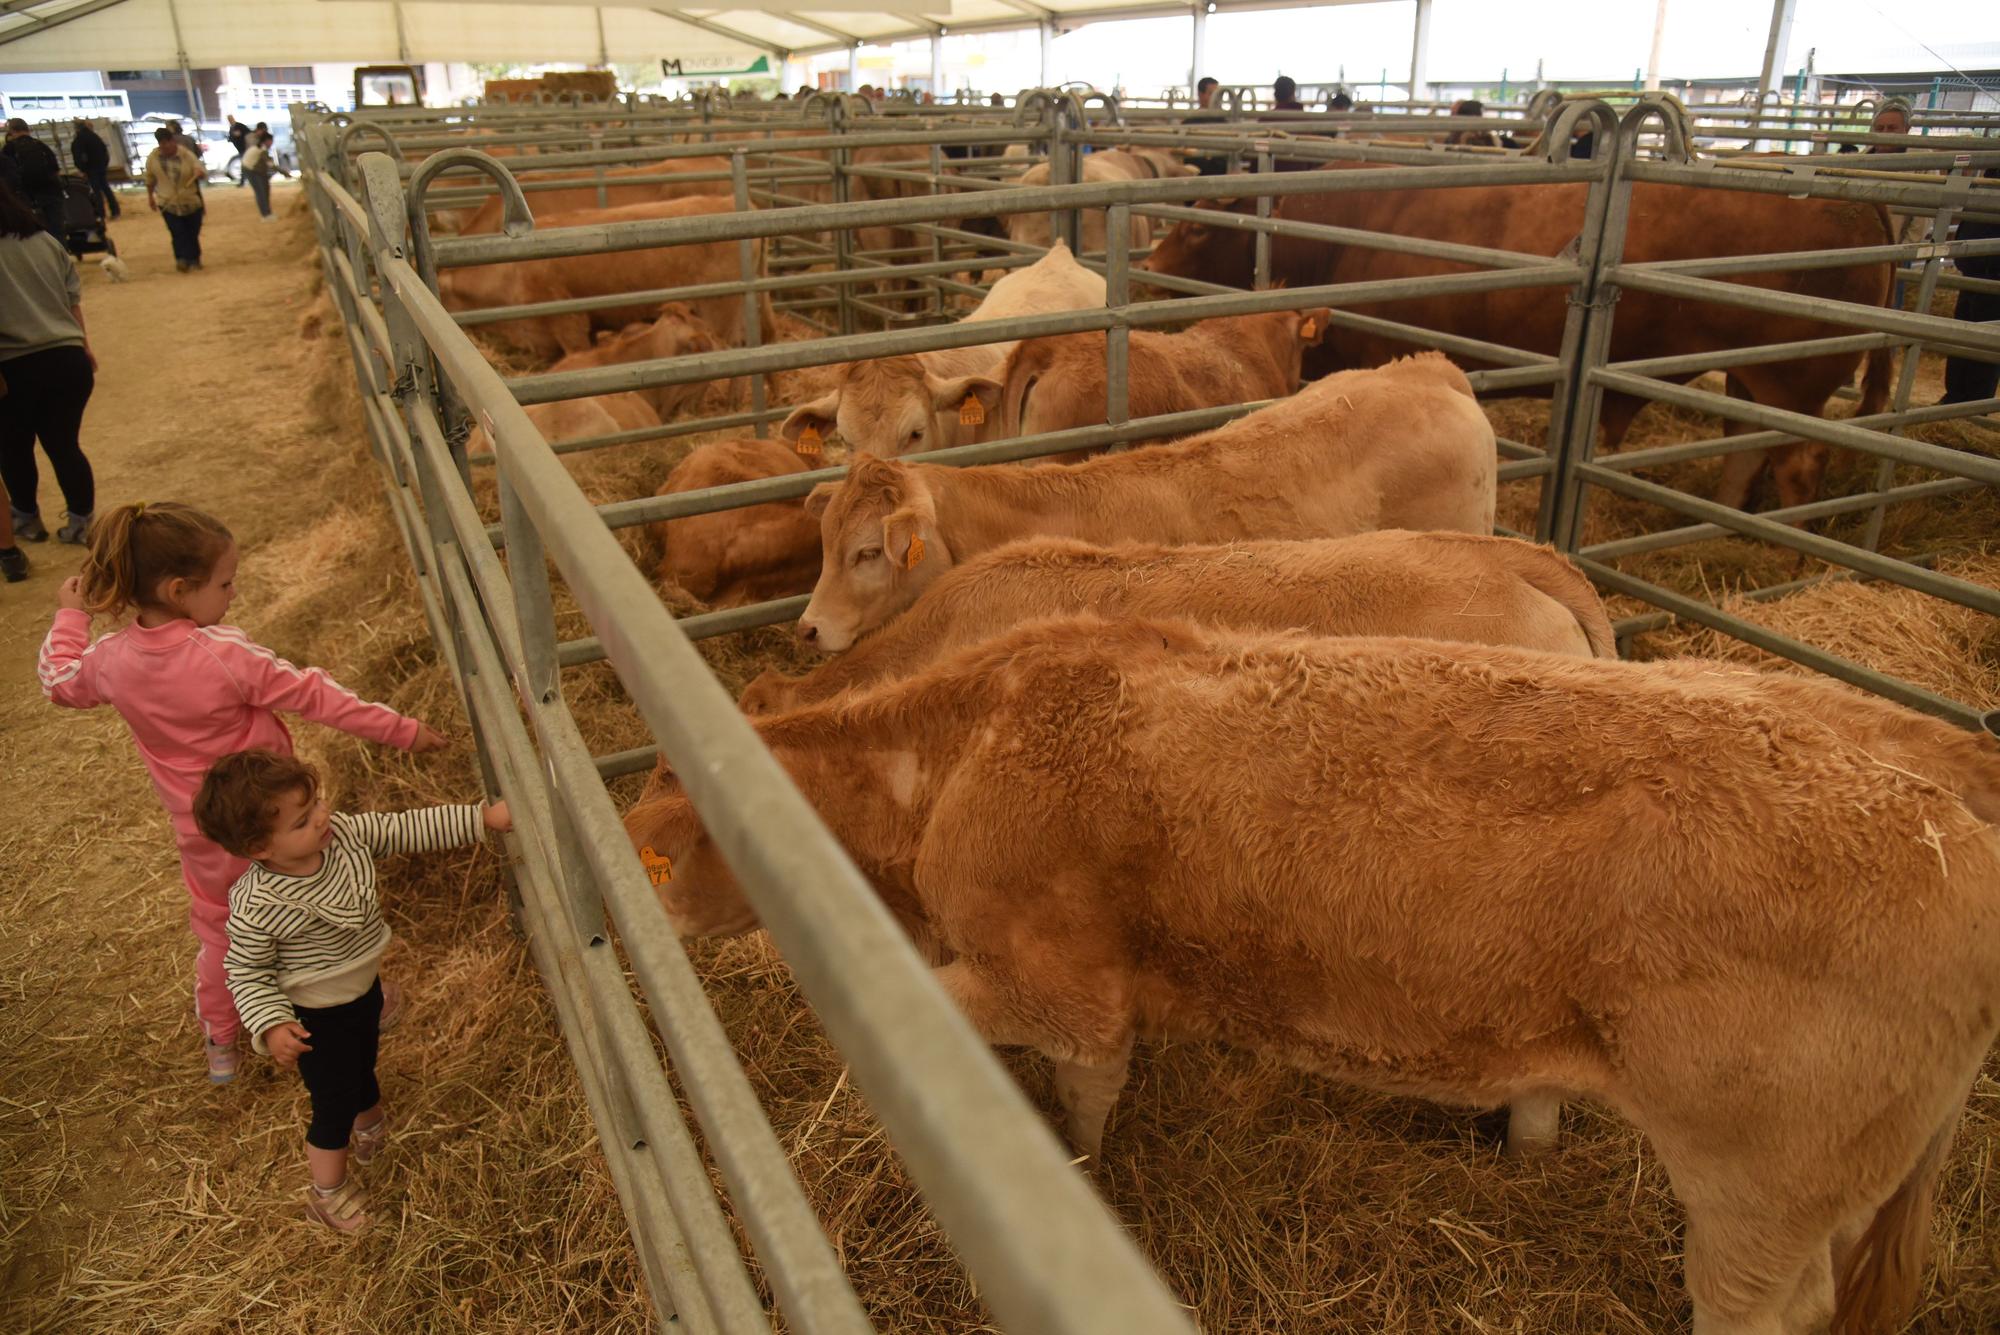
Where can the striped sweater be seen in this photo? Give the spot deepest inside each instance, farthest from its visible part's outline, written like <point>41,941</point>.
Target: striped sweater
<point>317,940</point>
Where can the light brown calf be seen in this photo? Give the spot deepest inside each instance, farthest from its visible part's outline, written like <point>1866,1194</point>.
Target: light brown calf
<point>677,332</point>
<point>1758,916</point>
<point>732,557</point>
<point>1433,586</point>
<point>1055,383</point>
<point>1401,446</point>
<point>1114,164</point>
<point>574,419</point>
<point>488,285</point>
<point>935,400</point>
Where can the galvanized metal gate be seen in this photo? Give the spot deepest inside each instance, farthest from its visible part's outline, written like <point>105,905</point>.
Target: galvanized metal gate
<point>1042,1249</point>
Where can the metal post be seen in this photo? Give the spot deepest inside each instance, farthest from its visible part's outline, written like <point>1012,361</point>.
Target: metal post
<point>1420,52</point>
<point>854,68</point>
<point>746,254</point>
<point>1048,31</point>
<point>1774,48</point>
<point>1653,55</point>
<point>1117,292</point>
<point>1198,59</point>
<point>937,66</point>
<point>187,75</point>
<point>1261,274</point>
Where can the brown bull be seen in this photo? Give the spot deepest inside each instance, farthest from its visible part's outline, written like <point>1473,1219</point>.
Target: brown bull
<point>1057,382</point>
<point>676,332</point>
<point>1667,223</point>
<point>524,281</point>
<point>618,190</point>
<point>1757,916</point>
<point>1401,446</point>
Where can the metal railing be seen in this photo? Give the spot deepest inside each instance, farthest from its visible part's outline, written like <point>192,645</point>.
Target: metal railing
<point>1042,1250</point>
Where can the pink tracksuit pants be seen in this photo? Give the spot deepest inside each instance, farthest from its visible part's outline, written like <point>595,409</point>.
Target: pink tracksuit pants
<point>209,870</point>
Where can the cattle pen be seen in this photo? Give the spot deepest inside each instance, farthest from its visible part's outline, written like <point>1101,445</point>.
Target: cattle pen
<point>876,231</point>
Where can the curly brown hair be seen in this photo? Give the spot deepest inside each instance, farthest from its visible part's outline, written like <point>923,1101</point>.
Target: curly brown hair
<point>239,797</point>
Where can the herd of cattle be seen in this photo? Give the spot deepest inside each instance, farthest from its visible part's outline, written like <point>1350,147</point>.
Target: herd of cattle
<point>1259,736</point>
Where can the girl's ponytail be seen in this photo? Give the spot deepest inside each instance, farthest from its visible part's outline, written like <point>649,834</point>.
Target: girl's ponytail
<point>134,548</point>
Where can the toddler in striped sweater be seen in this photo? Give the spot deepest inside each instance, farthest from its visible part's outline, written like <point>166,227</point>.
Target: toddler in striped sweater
<point>306,938</point>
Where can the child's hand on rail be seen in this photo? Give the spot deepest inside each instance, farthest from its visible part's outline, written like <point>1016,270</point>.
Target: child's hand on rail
<point>498,819</point>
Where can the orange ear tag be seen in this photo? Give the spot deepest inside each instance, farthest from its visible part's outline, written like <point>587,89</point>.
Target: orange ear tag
<point>916,554</point>
<point>808,444</point>
<point>659,870</point>
<point>1309,328</point>
<point>972,412</point>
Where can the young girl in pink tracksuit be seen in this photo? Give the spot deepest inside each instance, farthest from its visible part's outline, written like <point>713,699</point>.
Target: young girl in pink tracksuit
<point>192,691</point>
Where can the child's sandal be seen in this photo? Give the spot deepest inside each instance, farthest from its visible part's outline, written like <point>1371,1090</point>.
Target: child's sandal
<point>341,1212</point>
<point>368,1141</point>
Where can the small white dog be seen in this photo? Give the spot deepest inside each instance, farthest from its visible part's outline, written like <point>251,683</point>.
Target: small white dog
<point>114,268</point>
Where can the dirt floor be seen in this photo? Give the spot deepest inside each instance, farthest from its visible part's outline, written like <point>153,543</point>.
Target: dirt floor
<point>133,1196</point>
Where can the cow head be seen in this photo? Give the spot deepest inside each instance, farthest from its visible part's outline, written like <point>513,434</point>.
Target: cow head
<point>894,406</point>
<point>694,885</point>
<point>880,548</point>
<point>1226,255</point>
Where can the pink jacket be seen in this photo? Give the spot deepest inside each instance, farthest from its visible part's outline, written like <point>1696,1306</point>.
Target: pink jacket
<point>193,694</point>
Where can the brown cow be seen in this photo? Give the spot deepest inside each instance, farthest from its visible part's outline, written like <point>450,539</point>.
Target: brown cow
<point>1668,222</point>
<point>732,557</point>
<point>1055,383</point>
<point>1757,915</point>
<point>546,204</point>
<point>574,419</point>
<point>487,285</point>
<point>1433,586</point>
<point>1111,164</point>
<point>1402,446</point>
<point>935,400</point>
<point>677,332</point>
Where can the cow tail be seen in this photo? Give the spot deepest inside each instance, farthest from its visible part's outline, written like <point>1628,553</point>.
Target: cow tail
<point>1555,576</point>
<point>1879,1281</point>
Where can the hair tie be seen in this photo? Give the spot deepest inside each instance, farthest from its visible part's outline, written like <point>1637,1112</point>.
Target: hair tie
<point>139,509</point>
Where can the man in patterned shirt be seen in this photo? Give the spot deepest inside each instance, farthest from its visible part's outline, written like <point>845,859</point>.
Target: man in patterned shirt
<point>306,938</point>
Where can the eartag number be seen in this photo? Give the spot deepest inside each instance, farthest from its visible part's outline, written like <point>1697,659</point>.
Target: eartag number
<point>659,870</point>
<point>972,412</point>
<point>808,444</point>
<point>916,554</point>
<point>1309,328</point>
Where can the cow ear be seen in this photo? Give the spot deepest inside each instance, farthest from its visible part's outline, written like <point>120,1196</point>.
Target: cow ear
<point>962,392</point>
<point>819,497</point>
<point>900,540</point>
<point>1312,326</point>
<point>818,415</point>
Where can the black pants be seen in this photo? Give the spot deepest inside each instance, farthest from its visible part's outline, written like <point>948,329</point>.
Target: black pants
<point>46,392</point>
<point>1966,380</point>
<point>100,186</point>
<point>260,186</point>
<point>340,1070</point>
<point>48,207</point>
<point>185,229</point>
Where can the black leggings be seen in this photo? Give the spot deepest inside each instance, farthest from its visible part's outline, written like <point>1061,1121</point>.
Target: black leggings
<point>46,392</point>
<point>340,1070</point>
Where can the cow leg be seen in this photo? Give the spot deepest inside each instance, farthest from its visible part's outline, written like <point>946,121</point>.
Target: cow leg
<point>1740,471</point>
<point>1534,1121</point>
<point>1087,1089</point>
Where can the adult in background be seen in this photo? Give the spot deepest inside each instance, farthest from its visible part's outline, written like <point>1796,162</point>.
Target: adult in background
<point>1966,380</point>
<point>93,158</point>
<point>40,182</point>
<point>1285,94</point>
<point>46,362</point>
<point>187,141</point>
<point>173,190</point>
<point>260,159</point>
<point>240,138</point>
<point>1205,93</point>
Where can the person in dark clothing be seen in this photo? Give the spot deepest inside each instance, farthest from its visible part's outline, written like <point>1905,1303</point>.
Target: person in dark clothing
<point>93,158</point>
<point>1285,94</point>
<point>1966,380</point>
<point>1209,164</point>
<point>239,139</point>
<point>41,175</point>
<point>47,370</point>
<point>1340,102</point>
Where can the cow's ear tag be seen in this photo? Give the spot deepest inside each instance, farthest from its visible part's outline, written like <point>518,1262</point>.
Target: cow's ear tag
<point>1309,328</point>
<point>659,870</point>
<point>808,444</point>
<point>916,554</point>
<point>972,412</point>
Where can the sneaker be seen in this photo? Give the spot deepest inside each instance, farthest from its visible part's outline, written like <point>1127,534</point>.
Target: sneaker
<point>392,1006</point>
<point>194,264</point>
<point>13,564</point>
<point>76,532</point>
<point>222,1062</point>
<point>29,528</point>
<point>340,1209</point>
<point>180,266</point>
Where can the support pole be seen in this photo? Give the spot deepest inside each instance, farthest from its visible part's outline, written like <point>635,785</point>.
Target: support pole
<point>1653,56</point>
<point>1048,30</point>
<point>1198,58</point>
<point>603,47</point>
<point>1420,53</point>
<point>937,67</point>
<point>854,68</point>
<point>1774,49</point>
<point>187,75</point>
<point>403,40</point>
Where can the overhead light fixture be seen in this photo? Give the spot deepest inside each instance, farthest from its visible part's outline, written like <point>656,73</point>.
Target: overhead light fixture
<point>943,31</point>
<point>1211,6</point>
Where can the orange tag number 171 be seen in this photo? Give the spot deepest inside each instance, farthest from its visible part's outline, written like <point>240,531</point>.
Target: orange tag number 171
<point>659,870</point>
